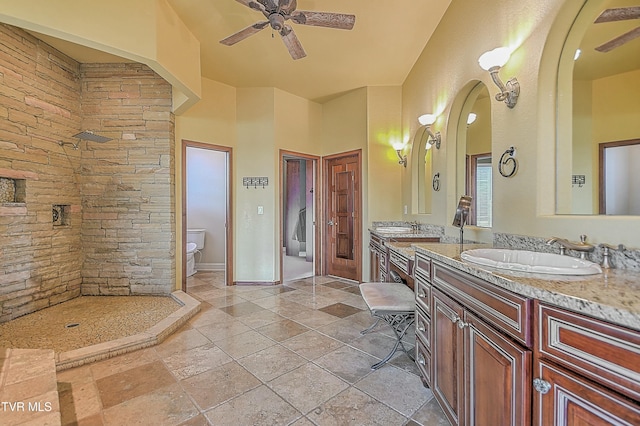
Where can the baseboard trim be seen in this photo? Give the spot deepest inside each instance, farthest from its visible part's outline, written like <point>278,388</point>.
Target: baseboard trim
<point>210,266</point>
<point>255,282</point>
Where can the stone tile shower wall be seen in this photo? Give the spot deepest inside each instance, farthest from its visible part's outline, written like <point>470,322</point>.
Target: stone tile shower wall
<point>127,184</point>
<point>39,105</point>
<point>117,236</point>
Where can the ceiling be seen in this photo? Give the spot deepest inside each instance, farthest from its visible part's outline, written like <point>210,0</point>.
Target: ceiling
<point>380,50</point>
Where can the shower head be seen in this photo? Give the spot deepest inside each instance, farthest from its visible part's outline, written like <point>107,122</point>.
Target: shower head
<point>88,135</point>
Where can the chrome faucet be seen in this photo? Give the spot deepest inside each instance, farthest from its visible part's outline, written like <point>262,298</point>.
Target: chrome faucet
<point>606,264</point>
<point>583,247</point>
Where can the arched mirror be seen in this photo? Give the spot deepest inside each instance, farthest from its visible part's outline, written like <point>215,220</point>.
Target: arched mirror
<point>598,138</point>
<point>424,166</point>
<point>474,155</point>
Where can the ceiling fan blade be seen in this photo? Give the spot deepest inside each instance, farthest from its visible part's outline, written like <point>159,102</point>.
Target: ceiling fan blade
<point>291,41</point>
<point>270,5</point>
<point>341,21</point>
<point>619,14</point>
<point>242,34</point>
<point>619,41</point>
<point>287,6</point>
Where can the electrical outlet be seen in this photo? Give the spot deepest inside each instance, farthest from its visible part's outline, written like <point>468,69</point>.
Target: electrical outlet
<point>260,209</point>
<point>405,209</point>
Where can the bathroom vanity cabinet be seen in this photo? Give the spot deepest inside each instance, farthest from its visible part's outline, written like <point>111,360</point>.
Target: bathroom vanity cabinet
<point>586,371</point>
<point>480,347</point>
<point>495,357</point>
<point>382,261</point>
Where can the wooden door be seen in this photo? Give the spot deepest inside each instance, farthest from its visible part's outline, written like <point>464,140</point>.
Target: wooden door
<point>447,357</point>
<point>343,228</point>
<point>497,377</point>
<point>569,400</point>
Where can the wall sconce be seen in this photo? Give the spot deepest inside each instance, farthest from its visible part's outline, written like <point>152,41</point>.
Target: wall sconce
<point>471,118</point>
<point>399,146</point>
<point>434,139</point>
<point>492,61</point>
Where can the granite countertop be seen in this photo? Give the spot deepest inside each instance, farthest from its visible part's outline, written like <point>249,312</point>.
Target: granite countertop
<point>403,249</point>
<point>400,235</point>
<point>613,296</point>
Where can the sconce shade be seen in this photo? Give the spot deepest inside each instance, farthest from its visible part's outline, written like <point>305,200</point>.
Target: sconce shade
<point>494,58</point>
<point>398,146</point>
<point>471,117</point>
<point>427,119</point>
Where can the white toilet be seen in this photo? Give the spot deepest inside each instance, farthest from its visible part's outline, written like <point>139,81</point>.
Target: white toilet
<point>195,243</point>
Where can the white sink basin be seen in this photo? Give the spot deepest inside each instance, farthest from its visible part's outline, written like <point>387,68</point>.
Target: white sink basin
<point>530,261</point>
<point>394,229</point>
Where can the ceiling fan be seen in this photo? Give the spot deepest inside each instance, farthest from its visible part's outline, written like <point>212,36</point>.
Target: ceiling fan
<point>619,14</point>
<point>279,11</point>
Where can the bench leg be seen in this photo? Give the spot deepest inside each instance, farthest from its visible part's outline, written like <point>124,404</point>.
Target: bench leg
<point>400,323</point>
<point>371,327</point>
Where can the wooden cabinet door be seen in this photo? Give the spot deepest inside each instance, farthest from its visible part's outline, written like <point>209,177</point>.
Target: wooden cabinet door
<point>447,356</point>
<point>497,377</point>
<point>564,399</point>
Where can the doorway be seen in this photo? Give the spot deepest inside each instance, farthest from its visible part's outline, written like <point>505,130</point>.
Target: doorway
<point>299,202</point>
<point>618,182</point>
<point>343,215</point>
<point>206,211</point>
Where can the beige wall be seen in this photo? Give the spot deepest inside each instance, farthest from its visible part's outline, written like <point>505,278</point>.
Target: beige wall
<point>523,204</point>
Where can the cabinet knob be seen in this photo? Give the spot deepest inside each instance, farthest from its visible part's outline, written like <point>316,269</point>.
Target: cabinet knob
<point>462,324</point>
<point>421,294</point>
<point>421,327</point>
<point>421,360</point>
<point>541,385</point>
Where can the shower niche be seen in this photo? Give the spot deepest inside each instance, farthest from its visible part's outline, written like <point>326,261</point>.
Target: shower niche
<point>60,214</point>
<point>12,191</point>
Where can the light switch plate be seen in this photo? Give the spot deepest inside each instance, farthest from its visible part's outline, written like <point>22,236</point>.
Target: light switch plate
<point>260,209</point>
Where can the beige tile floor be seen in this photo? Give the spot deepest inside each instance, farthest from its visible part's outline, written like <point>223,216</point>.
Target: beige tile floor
<point>281,355</point>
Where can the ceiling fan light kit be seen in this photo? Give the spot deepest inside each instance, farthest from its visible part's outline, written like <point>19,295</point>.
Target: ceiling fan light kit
<point>278,12</point>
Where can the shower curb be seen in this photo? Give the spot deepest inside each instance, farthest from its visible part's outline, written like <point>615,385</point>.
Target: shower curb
<point>152,336</point>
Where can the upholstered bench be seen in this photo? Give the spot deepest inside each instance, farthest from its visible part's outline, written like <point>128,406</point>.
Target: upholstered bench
<point>393,303</point>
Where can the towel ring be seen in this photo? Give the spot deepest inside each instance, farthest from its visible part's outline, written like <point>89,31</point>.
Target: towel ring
<point>435,183</point>
<point>510,155</point>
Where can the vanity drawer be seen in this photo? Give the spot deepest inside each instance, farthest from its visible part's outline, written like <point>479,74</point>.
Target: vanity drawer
<point>606,353</point>
<point>423,267</point>
<point>423,328</point>
<point>423,295</point>
<point>376,242</point>
<point>503,309</point>
<point>423,361</point>
<point>401,262</point>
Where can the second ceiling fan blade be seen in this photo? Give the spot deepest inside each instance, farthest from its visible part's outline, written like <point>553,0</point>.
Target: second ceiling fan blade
<point>619,41</point>
<point>340,21</point>
<point>293,44</point>
<point>244,33</point>
<point>619,14</point>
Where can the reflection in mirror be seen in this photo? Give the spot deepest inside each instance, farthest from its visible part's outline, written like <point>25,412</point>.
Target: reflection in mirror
<point>598,92</point>
<point>618,183</point>
<point>476,159</point>
<point>424,160</point>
